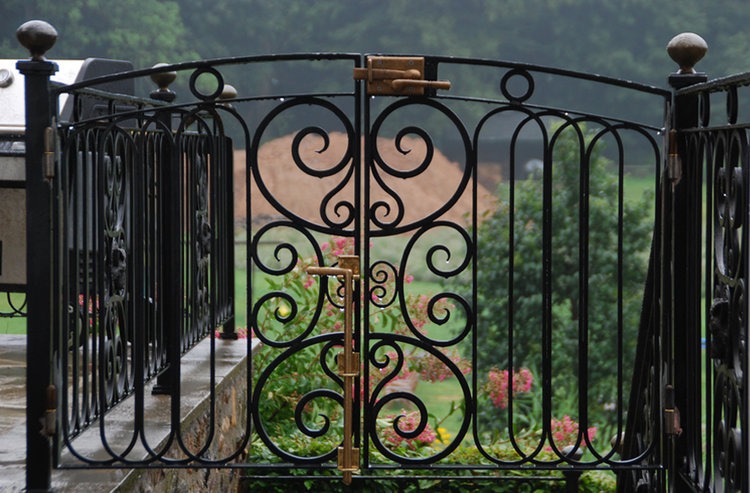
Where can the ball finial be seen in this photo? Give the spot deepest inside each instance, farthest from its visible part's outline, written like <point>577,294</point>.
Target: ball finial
<point>37,37</point>
<point>686,50</point>
<point>163,80</point>
<point>229,92</point>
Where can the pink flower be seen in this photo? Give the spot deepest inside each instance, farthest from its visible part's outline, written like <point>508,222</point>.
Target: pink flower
<point>309,282</point>
<point>324,246</point>
<point>497,385</point>
<point>565,432</point>
<point>92,308</point>
<point>340,242</point>
<point>242,333</point>
<point>431,369</point>
<point>408,278</point>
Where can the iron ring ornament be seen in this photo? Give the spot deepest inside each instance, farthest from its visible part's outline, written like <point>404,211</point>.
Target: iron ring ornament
<point>509,76</point>
<point>219,81</point>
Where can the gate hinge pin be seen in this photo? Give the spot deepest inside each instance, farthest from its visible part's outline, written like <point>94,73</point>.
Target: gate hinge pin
<point>49,153</point>
<point>671,413</point>
<point>674,163</point>
<point>49,421</point>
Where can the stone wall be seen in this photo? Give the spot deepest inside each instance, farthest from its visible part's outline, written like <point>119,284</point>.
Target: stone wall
<point>231,408</point>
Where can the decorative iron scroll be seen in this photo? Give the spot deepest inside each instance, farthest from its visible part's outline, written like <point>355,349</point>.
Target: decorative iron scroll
<point>15,307</point>
<point>727,334</point>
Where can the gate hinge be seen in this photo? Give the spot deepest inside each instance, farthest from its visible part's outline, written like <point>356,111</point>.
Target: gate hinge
<point>49,153</point>
<point>671,413</point>
<point>674,163</point>
<point>49,421</point>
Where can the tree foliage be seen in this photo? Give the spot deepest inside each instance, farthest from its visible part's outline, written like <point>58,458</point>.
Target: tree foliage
<point>145,33</point>
<point>616,38</point>
<point>584,305</point>
<point>619,39</point>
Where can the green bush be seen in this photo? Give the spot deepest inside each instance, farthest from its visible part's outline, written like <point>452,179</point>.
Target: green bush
<point>451,480</point>
<point>520,218</point>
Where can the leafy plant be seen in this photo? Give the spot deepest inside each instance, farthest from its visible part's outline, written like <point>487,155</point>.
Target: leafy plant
<point>511,272</point>
<point>298,319</point>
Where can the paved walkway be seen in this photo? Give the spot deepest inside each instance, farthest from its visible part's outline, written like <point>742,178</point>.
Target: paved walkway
<point>12,412</point>
<point>13,431</point>
<point>13,415</point>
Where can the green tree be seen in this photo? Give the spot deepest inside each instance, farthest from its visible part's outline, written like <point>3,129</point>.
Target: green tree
<point>519,222</point>
<point>145,33</point>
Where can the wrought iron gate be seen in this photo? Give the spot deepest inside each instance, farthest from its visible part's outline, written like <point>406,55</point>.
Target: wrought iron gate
<point>408,311</point>
<point>422,285</point>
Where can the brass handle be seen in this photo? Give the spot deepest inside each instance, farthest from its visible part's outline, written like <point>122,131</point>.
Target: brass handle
<point>399,84</point>
<point>348,271</point>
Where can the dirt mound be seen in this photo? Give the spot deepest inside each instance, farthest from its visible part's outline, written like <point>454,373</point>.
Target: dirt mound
<point>403,188</point>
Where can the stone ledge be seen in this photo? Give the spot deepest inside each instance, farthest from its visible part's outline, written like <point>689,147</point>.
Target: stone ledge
<point>231,375</point>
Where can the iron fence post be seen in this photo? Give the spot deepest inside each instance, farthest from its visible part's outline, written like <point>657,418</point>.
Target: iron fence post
<point>682,404</point>
<point>38,37</point>
<point>572,478</point>
<point>228,331</point>
<point>169,186</point>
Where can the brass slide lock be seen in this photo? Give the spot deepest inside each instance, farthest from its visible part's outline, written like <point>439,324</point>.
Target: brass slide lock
<point>397,75</point>
<point>347,272</point>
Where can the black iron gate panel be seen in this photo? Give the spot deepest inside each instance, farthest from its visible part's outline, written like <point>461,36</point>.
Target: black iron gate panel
<point>713,144</point>
<point>429,282</point>
<point>144,255</point>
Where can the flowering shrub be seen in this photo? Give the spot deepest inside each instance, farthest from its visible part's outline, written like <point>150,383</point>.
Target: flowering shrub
<point>406,422</point>
<point>287,308</point>
<point>565,432</point>
<point>89,310</point>
<point>497,385</point>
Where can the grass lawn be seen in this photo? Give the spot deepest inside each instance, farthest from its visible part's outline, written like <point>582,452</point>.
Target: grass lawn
<point>12,325</point>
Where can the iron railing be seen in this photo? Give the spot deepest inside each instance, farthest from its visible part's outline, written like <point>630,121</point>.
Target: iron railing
<point>134,215</point>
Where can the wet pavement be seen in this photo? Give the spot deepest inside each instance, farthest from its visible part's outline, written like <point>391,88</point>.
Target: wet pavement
<point>13,416</point>
<point>12,412</point>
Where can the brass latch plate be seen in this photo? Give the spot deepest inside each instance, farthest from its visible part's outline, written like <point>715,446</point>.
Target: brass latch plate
<point>397,75</point>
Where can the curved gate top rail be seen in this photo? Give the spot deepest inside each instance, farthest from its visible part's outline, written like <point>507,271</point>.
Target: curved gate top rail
<point>515,70</point>
<point>480,244</point>
<point>216,62</point>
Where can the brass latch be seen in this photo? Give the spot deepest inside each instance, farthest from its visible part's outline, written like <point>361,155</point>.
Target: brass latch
<point>397,75</point>
<point>348,272</point>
